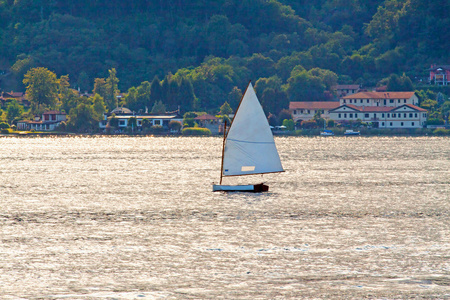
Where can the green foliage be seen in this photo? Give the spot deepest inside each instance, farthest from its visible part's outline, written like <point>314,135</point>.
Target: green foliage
<point>196,131</point>
<point>175,125</point>
<point>156,129</point>
<point>289,124</point>
<point>225,109</point>
<point>214,48</point>
<point>13,111</point>
<point>4,125</point>
<point>283,115</point>
<point>158,108</point>
<point>42,89</point>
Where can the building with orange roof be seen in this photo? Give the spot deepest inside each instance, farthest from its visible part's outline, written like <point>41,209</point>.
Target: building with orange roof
<point>304,111</point>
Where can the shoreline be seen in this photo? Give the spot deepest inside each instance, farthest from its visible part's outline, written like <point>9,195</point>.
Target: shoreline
<point>298,133</point>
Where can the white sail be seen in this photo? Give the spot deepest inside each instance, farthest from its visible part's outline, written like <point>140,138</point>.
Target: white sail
<point>249,146</point>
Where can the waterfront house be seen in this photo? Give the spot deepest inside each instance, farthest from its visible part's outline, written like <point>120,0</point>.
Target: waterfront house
<point>439,74</point>
<point>208,121</point>
<point>49,121</point>
<point>304,111</point>
<point>404,116</point>
<point>20,97</point>
<point>124,114</point>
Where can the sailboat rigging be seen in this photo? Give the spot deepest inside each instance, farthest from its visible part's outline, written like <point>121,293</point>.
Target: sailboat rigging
<point>248,146</point>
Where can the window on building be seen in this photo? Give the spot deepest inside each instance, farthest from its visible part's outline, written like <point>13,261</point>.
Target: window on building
<point>382,115</point>
<point>308,111</point>
<point>351,115</point>
<point>410,115</point>
<point>375,116</point>
<point>343,101</point>
<point>366,115</point>
<point>339,115</point>
<point>398,100</point>
<point>391,101</point>
<point>121,122</point>
<point>404,115</point>
<point>382,124</point>
<point>350,100</point>
<point>404,100</point>
<point>390,124</point>
<point>388,115</point>
<point>412,124</point>
<point>394,115</point>
<point>356,115</point>
<point>401,124</point>
<point>415,115</point>
<point>360,100</point>
<point>367,100</point>
<point>345,115</point>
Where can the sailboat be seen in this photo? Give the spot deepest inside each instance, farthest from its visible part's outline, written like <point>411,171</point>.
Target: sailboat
<point>248,146</point>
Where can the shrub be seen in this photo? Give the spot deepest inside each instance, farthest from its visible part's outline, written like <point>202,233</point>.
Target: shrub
<point>5,131</point>
<point>156,129</point>
<point>174,125</point>
<point>4,125</point>
<point>196,131</point>
<point>310,124</point>
<point>441,132</point>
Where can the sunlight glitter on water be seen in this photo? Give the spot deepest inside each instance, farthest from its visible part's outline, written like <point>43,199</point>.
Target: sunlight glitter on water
<point>135,217</point>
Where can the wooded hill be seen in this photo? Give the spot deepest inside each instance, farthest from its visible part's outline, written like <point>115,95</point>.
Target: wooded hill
<point>293,49</point>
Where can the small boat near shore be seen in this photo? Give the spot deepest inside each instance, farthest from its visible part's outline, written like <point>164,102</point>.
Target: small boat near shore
<point>327,132</point>
<point>351,132</point>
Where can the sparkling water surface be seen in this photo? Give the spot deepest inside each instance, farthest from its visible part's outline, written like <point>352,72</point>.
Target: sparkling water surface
<point>136,218</point>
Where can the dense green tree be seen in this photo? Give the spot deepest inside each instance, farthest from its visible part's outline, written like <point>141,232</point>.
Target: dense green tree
<point>42,88</point>
<point>99,107</point>
<point>83,118</point>
<point>13,111</point>
<point>234,97</point>
<point>158,108</point>
<point>111,90</point>
<point>225,109</point>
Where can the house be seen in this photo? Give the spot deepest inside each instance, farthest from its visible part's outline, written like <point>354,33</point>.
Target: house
<point>210,122</point>
<point>403,116</point>
<point>124,114</point>
<point>20,97</point>
<point>343,90</point>
<point>391,99</point>
<point>50,121</point>
<point>304,111</point>
<point>439,74</point>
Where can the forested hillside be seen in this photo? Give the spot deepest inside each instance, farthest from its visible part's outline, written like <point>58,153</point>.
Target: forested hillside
<point>292,49</point>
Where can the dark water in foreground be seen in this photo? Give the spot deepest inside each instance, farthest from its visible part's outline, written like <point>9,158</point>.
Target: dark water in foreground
<point>135,218</point>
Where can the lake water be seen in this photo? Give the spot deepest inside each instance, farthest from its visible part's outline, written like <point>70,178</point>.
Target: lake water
<point>135,218</point>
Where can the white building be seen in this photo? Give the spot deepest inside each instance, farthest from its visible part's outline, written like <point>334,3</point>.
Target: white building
<point>50,121</point>
<point>305,111</point>
<point>381,109</point>
<point>124,114</point>
<point>404,116</point>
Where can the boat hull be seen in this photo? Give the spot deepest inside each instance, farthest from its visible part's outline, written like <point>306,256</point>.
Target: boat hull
<point>250,188</point>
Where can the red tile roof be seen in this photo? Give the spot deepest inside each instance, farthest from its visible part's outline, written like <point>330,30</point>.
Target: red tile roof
<point>206,117</point>
<point>314,105</point>
<point>380,95</point>
<point>54,112</point>
<point>381,108</point>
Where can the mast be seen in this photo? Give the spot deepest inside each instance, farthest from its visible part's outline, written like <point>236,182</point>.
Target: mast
<point>223,150</point>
